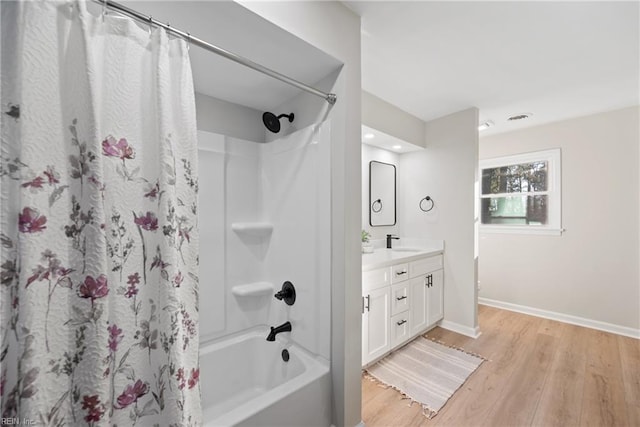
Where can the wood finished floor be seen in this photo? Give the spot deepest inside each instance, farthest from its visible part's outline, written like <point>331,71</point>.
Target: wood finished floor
<point>540,373</point>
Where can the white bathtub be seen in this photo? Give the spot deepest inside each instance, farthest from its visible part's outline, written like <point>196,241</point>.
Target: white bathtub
<point>244,381</point>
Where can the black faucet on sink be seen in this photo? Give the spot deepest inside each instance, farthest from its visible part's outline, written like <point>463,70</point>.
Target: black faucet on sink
<point>389,237</point>
<point>285,327</point>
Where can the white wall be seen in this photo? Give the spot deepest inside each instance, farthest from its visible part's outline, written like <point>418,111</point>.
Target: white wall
<point>226,118</point>
<point>308,109</point>
<point>446,171</point>
<point>379,114</point>
<point>333,28</point>
<point>370,153</point>
<point>591,271</point>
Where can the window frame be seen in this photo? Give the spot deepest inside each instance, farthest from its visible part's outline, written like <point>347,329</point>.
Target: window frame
<point>554,192</point>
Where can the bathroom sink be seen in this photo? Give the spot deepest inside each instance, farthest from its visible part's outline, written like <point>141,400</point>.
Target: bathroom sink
<point>407,250</point>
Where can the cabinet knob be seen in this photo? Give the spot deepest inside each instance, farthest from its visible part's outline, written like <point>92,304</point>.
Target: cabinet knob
<point>401,298</point>
<point>402,322</point>
<point>400,273</point>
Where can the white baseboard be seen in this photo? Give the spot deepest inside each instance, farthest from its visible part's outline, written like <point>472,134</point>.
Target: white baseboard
<point>561,317</point>
<point>460,329</point>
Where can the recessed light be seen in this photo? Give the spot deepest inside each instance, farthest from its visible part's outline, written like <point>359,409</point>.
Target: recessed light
<point>397,147</point>
<point>520,116</point>
<point>369,136</point>
<point>485,125</point>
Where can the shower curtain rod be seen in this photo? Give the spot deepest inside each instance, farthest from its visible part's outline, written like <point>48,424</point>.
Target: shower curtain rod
<point>331,98</point>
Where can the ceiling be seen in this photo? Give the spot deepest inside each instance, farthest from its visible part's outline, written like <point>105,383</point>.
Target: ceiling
<point>388,142</point>
<point>556,60</point>
<point>234,28</point>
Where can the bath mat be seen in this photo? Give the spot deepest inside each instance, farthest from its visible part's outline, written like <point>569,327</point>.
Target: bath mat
<point>426,372</point>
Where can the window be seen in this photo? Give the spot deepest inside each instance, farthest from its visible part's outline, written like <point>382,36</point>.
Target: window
<point>521,193</point>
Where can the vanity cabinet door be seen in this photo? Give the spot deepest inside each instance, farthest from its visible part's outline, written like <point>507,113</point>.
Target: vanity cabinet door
<point>435,298</point>
<point>427,305</point>
<point>418,305</point>
<point>375,324</point>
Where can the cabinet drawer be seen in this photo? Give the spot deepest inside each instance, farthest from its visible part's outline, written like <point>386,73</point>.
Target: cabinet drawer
<point>400,328</point>
<point>399,272</point>
<point>375,279</point>
<point>424,266</point>
<point>400,298</point>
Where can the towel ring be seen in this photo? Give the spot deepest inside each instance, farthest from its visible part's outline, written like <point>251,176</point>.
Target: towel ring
<point>376,203</point>
<point>426,199</point>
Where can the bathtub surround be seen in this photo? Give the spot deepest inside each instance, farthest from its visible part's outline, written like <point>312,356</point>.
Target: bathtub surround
<point>276,188</point>
<point>341,39</point>
<point>264,219</point>
<point>260,199</point>
<point>100,234</point>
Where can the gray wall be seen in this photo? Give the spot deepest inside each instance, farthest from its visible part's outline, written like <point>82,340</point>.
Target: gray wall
<point>591,270</point>
<point>379,114</point>
<point>447,171</point>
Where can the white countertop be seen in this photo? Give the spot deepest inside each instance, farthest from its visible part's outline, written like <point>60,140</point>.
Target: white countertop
<point>383,257</point>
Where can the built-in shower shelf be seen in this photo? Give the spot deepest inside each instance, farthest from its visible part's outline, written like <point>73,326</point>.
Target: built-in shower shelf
<point>262,229</point>
<point>252,289</point>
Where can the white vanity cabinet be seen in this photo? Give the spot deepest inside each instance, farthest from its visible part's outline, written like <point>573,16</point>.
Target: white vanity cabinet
<point>399,302</point>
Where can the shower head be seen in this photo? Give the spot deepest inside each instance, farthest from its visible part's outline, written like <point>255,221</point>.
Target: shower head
<point>273,123</point>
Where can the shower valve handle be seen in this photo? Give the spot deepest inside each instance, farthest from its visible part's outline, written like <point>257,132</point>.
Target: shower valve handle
<point>287,293</point>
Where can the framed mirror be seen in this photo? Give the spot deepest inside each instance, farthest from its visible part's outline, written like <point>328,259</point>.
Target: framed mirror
<point>382,194</point>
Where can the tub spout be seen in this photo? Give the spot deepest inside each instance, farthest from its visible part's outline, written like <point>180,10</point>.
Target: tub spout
<point>285,327</point>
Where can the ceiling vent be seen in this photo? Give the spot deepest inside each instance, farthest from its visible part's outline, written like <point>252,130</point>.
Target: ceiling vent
<point>520,117</point>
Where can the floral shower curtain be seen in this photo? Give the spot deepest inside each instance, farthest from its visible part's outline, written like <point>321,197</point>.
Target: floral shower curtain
<point>99,287</point>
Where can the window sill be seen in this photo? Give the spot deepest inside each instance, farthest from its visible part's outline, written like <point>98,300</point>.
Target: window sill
<point>521,230</point>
